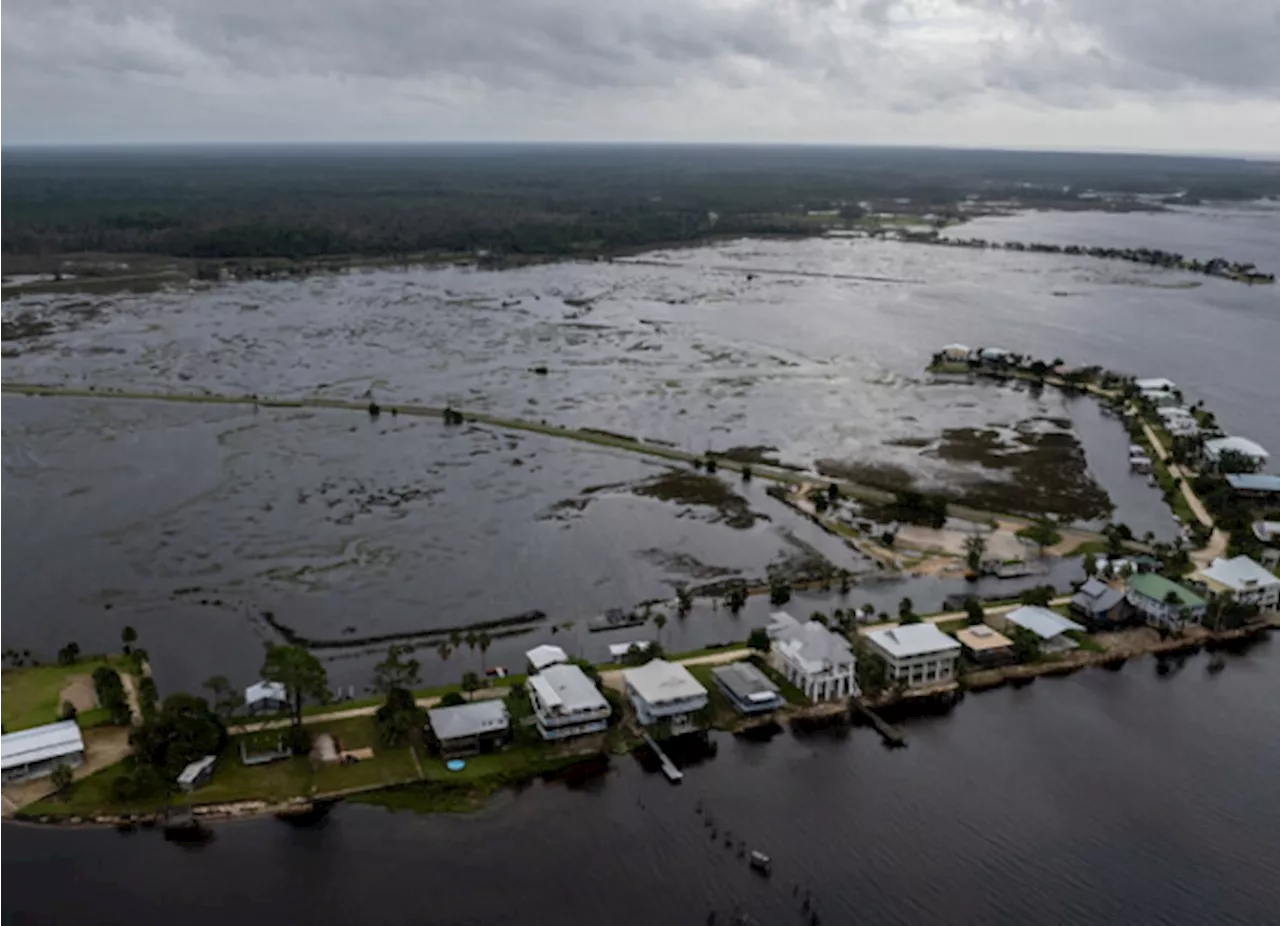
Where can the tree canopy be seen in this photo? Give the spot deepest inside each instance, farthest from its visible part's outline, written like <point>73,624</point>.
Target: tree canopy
<point>301,673</point>
<point>183,730</point>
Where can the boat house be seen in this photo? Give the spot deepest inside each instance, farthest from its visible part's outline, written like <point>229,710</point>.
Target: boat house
<point>567,703</point>
<point>468,729</point>
<point>917,655</point>
<point>35,753</point>
<point>747,688</point>
<point>665,692</point>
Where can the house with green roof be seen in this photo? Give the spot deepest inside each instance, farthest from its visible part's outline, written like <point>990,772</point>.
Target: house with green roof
<point>1162,602</point>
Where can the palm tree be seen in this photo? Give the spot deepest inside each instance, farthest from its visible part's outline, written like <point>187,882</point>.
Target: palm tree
<point>445,651</point>
<point>482,643</point>
<point>660,621</point>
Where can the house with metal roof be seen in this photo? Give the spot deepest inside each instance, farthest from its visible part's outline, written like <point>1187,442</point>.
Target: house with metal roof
<point>748,689</point>
<point>917,655</point>
<point>665,693</point>
<point>1157,384</point>
<point>1049,626</point>
<point>1099,603</point>
<point>35,753</point>
<point>1255,485</point>
<point>467,729</point>
<point>545,655</point>
<point>1247,581</point>
<point>619,652</point>
<point>985,645</point>
<point>813,658</point>
<point>567,703</point>
<point>266,698</point>
<point>1162,602</point>
<point>1214,449</point>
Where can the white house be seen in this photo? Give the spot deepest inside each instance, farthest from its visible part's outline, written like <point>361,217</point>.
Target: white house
<point>665,691</point>
<point>1247,581</point>
<point>545,655</point>
<point>956,352</point>
<point>266,698</point>
<point>1162,602</point>
<point>35,753</point>
<point>818,662</point>
<point>917,655</point>
<point>1049,626</point>
<point>1214,449</point>
<point>567,703</point>
<point>1161,399</point>
<point>1157,384</point>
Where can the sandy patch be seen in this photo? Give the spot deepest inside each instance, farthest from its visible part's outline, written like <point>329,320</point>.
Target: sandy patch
<point>79,691</point>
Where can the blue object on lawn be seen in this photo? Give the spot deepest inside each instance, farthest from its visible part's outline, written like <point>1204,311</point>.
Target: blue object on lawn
<point>455,765</point>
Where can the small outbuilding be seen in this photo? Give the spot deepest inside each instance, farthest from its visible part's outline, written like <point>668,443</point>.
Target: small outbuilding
<point>985,646</point>
<point>468,729</point>
<point>196,773</point>
<point>35,753</point>
<point>266,698</point>
<point>540,657</point>
<point>747,688</point>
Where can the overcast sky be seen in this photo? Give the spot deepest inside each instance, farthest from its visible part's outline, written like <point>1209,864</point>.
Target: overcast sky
<point>1175,75</point>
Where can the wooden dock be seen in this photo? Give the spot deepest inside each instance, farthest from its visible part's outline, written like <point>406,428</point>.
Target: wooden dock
<point>891,734</point>
<point>669,768</point>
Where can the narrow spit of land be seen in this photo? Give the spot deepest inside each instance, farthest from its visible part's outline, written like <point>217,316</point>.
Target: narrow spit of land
<point>581,435</point>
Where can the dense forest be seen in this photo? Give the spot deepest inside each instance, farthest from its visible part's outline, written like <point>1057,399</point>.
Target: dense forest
<point>300,202</point>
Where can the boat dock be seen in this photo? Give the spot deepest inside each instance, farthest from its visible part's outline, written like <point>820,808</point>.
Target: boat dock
<point>674,775</point>
<point>891,734</point>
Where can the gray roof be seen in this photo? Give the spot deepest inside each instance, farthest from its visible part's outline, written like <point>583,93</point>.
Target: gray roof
<point>1254,482</point>
<point>1097,601</point>
<point>1042,622</point>
<point>659,682</point>
<point>913,640</point>
<point>266,691</point>
<point>545,655</point>
<point>1240,574</point>
<point>51,741</point>
<point>810,642</point>
<point>567,689</point>
<point>194,770</point>
<point>1242,445</point>
<point>746,682</point>
<point>471,719</point>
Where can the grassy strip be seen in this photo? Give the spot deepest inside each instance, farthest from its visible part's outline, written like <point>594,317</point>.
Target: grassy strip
<point>790,692</point>
<point>33,696</point>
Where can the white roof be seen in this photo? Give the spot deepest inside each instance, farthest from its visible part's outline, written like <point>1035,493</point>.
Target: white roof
<point>545,655</point>
<point>1044,623</point>
<point>955,349</point>
<point>810,643</point>
<point>50,741</point>
<point>659,681</point>
<point>196,769</point>
<point>469,719</point>
<point>266,691</point>
<point>1174,411</point>
<point>618,650</point>
<point>1239,574</point>
<point>913,640</point>
<point>1156,385</point>
<point>567,688</point>
<point>1214,448</point>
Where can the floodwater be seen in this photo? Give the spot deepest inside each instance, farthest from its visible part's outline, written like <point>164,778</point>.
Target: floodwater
<point>208,527</point>
<point>1105,797</point>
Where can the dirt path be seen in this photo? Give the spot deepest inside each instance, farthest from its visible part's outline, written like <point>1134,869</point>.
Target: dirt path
<point>1218,540</point>
<point>955,615</point>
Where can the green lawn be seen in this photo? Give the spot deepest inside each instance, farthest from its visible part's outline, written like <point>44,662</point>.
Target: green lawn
<point>953,626</point>
<point>91,795</point>
<point>723,714</point>
<point>1086,642</point>
<point>32,696</point>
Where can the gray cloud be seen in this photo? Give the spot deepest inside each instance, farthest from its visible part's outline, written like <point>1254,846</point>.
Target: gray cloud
<point>654,68</point>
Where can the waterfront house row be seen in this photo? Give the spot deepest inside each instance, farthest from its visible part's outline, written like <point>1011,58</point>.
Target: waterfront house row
<point>1247,581</point>
<point>917,655</point>
<point>813,658</point>
<point>665,693</point>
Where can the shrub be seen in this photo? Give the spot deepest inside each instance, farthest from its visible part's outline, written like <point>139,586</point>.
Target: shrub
<point>452,699</point>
